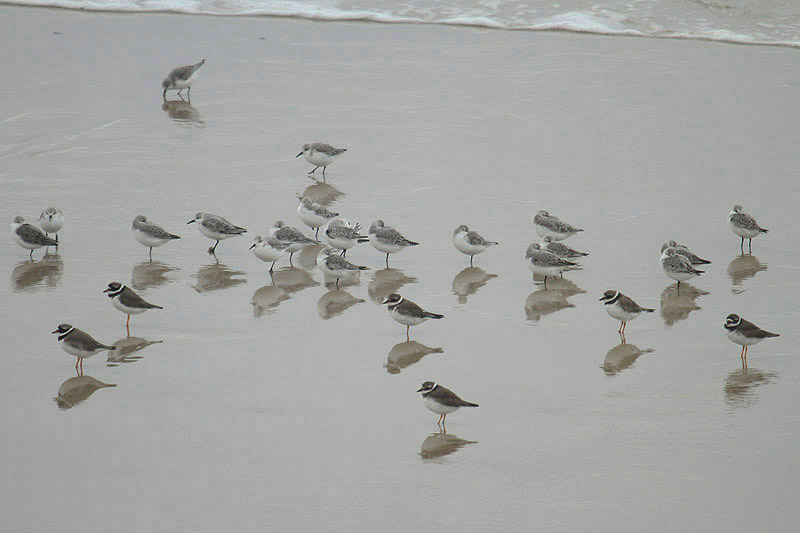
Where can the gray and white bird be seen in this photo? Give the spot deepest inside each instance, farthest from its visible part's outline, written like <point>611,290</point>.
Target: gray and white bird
<point>387,240</point>
<point>216,228</point>
<point>336,266</point>
<point>181,78</point>
<point>291,236</point>
<point>29,236</point>
<point>622,308</point>
<point>148,234</point>
<point>544,263</point>
<point>547,225</point>
<point>407,312</point>
<point>745,334</point>
<point>79,343</point>
<point>126,300</point>
<point>677,266</point>
<point>314,215</point>
<point>51,220</point>
<point>441,401</point>
<point>745,226</point>
<point>470,242</point>
<point>560,249</point>
<point>340,234</point>
<point>268,249</point>
<point>685,252</point>
<point>320,155</point>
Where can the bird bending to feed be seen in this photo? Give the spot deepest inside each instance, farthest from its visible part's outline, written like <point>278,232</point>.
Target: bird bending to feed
<point>441,401</point>
<point>545,263</point>
<point>547,225</point>
<point>181,78</point>
<point>387,240</point>
<point>470,242</point>
<point>314,215</point>
<point>745,226</point>
<point>677,266</point>
<point>320,155</point>
<point>291,236</point>
<point>336,266</point>
<point>340,234</point>
<point>127,301</point>
<point>51,220</point>
<point>685,252</point>
<point>79,343</point>
<point>149,234</point>
<point>407,312</point>
<point>622,308</point>
<point>29,237</point>
<point>745,334</point>
<point>560,249</point>
<point>215,228</point>
<point>268,249</point>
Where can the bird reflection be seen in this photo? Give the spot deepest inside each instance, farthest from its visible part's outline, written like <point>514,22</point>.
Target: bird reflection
<point>387,281</point>
<point>148,274</point>
<point>548,300</point>
<point>217,276</point>
<point>438,445</point>
<point>266,299</point>
<point>676,306</point>
<point>34,275</point>
<point>741,384</point>
<point>468,281</point>
<point>322,193</point>
<point>307,257</point>
<point>336,302</point>
<point>407,353</point>
<point>621,357</point>
<point>77,389</point>
<point>127,348</point>
<point>292,279</point>
<point>744,267</point>
<point>182,111</point>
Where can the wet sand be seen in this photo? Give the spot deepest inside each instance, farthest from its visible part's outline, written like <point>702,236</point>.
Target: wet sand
<point>253,402</point>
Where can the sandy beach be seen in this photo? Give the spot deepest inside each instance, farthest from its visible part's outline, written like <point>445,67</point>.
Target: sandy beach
<point>257,403</point>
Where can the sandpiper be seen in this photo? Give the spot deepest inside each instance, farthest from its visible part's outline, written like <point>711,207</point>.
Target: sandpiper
<point>127,301</point>
<point>560,249</point>
<point>547,225</point>
<point>685,252</point>
<point>320,155</point>
<point>441,401</point>
<point>470,242</point>
<point>340,234</point>
<point>51,220</point>
<point>407,312</point>
<point>149,234</point>
<point>677,266</point>
<point>268,249</point>
<point>291,236</point>
<point>336,266</point>
<point>181,78</point>
<point>622,308</point>
<point>29,237</point>
<point>387,240</point>
<point>545,263</point>
<point>314,215</point>
<point>216,228</point>
<point>745,226</point>
<point>79,343</point>
<point>745,334</point>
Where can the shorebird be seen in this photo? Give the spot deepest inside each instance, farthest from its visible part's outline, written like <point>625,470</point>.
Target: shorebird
<point>51,220</point>
<point>470,242</point>
<point>560,249</point>
<point>320,155</point>
<point>127,301</point>
<point>622,308</point>
<point>79,343</point>
<point>683,250</point>
<point>29,237</point>
<point>745,226</point>
<point>314,215</point>
<point>181,78</point>
<point>268,249</point>
<point>407,312</point>
<point>291,236</point>
<point>215,228</point>
<point>149,234</point>
<point>745,334</point>
<point>341,235</point>
<point>677,266</point>
<point>547,225</point>
<point>336,266</point>
<point>441,401</point>
<point>387,240</point>
<point>545,263</point>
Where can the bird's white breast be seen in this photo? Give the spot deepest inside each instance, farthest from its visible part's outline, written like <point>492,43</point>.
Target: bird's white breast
<point>147,240</point>
<point>463,246</point>
<point>436,407</point>
<point>406,320</point>
<point>740,339</point>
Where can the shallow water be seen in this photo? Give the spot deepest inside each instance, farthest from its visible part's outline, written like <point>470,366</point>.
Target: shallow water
<point>282,402</point>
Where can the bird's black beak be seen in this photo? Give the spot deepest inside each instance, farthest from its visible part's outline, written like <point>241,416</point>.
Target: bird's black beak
<point>601,299</point>
<point>252,246</point>
<point>298,155</point>
<point>420,390</point>
<point>190,221</point>
<point>105,291</point>
<point>56,331</point>
<point>385,301</point>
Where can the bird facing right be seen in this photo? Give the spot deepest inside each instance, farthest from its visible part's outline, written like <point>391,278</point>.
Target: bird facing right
<point>745,334</point>
<point>622,308</point>
<point>441,401</point>
<point>745,226</point>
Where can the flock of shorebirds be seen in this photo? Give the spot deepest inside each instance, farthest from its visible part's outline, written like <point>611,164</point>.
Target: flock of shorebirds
<point>547,259</point>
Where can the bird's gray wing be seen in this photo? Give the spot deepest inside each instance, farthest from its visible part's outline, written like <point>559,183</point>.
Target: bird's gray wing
<point>34,235</point>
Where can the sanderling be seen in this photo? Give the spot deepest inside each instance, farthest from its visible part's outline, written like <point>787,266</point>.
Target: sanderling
<point>622,308</point>
<point>181,78</point>
<point>149,234</point>
<point>745,226</point>
<point>469,242</point>
<point>560,249</point>
<point>314,215</point>
<point>79,343</point>
<point>546,225</point>
<point>677,266</point>
<point>29,237</point>
<point>51,220</point>
<point>291,236</point>
<point>545,263</point>
<point>407,312</point>
<point>127,301</point>
<point>685,252</point>
<point>387,240</point>
<point>320,155</point>
<point>336,266</point>
<point>215,228</point>
<point>745,334</point>
<point>340,234</point>
<point>441,401</point>
<point>268,249</point>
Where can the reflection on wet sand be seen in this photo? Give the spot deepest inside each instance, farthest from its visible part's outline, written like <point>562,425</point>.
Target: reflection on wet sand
<point>148,274</point>
<point>181,111</point>
<point>292,279</point>
<point>744,267</point>
<point>438,445</point>
<point>468,281</point>
<point>322,193</point>
<point>407,353</point>
<point>676,306</point>
<point>307,257</point>
<point>741,384</point>
<point>34,275</point>
<point>77,389</point>
<point>548,300</point>
<point>126,348</point>
<point>621,357</point>
<point>387,281</point>
<point>336,302</point>
<point>217,276</point>
<point>266,299</point>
